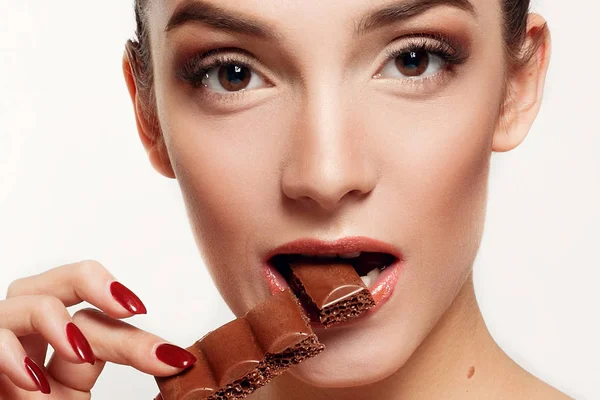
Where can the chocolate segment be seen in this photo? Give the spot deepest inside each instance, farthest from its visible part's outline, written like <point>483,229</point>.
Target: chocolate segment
<point>240,356</point>
<point>196,382</point>
<point>288,325</point>
<point>246,354</point>
<point>332,293</point>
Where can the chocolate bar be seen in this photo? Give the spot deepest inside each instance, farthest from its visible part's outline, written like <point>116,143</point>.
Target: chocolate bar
<point>245,354</point>
<point>331,292</point>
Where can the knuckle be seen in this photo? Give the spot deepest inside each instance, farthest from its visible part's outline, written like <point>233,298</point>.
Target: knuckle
<point>4,334</point>
<point>131,340</point>
<point>14,288</point>
<point>133,345</point>
<point>6,337</point>
<point>49,305</point>
<point>84,316</point>
<point>90,269</point>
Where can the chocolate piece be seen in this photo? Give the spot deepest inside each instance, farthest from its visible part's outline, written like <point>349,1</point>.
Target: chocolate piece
<point>247,353</point>
<point>239,357</point>
<point>332,293</point>
<point>288,325</point>
<point>196,382</point>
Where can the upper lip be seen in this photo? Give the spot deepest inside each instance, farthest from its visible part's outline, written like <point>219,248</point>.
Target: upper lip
<point>317,247</point>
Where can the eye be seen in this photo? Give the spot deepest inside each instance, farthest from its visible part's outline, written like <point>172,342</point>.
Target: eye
<point>413,64</point>
<point>231,77</point>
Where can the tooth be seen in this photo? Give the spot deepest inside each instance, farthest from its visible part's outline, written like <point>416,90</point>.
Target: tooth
<point>374,274</point>
<point>350,255</point>
<point>366,280</point>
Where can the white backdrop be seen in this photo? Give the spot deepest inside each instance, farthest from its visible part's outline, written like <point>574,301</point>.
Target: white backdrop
<point>75,184</point>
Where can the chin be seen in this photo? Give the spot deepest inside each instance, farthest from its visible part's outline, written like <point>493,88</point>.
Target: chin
<point>353,357</point>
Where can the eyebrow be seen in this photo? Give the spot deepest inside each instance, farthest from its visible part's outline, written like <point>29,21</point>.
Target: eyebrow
<point>200,11</point>
<point>217,17</point>
<point>404,10</point>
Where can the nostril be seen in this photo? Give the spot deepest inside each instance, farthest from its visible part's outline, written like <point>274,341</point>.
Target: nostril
<point>327,201</point>
<point>328,181</point>
<point>357,193</point>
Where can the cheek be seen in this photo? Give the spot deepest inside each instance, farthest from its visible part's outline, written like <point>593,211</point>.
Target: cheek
<point>447,196</point>
<point>227,170</point>
<point>436,160</point>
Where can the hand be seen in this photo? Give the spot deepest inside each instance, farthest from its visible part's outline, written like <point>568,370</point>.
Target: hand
<point>34,315</point>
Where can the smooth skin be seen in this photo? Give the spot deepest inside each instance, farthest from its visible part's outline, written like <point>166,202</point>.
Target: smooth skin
<point>34,315</point>
<point>325,144</point>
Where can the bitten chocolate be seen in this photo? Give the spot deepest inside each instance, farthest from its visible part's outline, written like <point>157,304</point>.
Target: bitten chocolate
<point>332,293</point>
<point>245,354</point>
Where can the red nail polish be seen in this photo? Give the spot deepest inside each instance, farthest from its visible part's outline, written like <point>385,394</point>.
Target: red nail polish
<point>175,356</point>
<point>80,344</point>
<point>127,298</point>
<point>36,373</point>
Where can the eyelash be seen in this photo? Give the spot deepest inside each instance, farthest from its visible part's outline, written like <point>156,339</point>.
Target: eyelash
<point>194,70</point>
<point>453,54</point>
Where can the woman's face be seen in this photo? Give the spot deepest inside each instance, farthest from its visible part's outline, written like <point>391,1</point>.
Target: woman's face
<point>286,120</point>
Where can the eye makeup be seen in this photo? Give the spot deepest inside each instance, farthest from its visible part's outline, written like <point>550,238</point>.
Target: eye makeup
<point>195,69</point>
<point>439,45</point>
<point>445,54</point>
<point>438,49</point>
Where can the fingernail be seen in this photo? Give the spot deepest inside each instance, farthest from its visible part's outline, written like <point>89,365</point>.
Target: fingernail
<point>127,298</point>
<point>36,373</point>
<point>80,344</point>
<point>175,356</point>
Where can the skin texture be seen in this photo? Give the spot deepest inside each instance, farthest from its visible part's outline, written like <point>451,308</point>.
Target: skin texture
<point>325,150</point>
<point>34,315</point>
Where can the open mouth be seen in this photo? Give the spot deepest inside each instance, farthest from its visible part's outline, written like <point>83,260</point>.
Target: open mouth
<point>368,265</point>
<point>327,285</point>
<point>377,263</point>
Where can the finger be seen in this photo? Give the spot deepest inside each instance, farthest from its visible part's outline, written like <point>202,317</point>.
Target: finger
<point>36,346</point>
<point>7,388</point>
<point>47,316</point>
<point>118,342</point>
<point>80,377</point>
<point>83,281</point>
<point>8,391</point>
<point>22,371</point>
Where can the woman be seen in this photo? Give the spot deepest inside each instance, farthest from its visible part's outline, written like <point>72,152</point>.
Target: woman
<point>378,139</point>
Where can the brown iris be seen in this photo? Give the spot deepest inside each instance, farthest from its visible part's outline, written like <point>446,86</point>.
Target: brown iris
<point>234,77</point>
<point>413,63</point>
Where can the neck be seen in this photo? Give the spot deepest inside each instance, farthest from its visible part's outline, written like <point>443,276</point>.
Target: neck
<point>458,359</point>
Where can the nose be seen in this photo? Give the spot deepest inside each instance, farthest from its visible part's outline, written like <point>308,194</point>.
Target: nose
<point>328,163</point>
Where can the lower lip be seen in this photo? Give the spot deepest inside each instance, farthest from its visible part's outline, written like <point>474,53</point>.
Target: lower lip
<point>381,289</point>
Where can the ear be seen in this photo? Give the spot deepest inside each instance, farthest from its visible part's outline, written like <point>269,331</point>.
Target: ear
<point>147,129</point>
<point>525,88</point>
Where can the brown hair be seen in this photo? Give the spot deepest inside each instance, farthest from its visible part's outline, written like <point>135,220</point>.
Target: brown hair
<point>515,27</point>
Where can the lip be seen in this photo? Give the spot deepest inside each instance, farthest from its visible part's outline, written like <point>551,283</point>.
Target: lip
<point>381,290</point>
